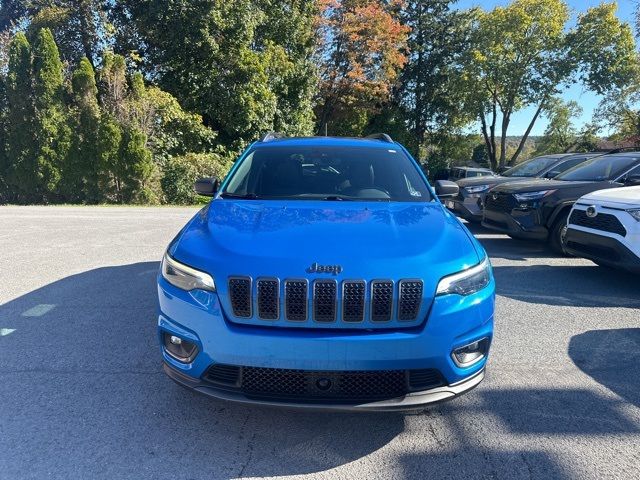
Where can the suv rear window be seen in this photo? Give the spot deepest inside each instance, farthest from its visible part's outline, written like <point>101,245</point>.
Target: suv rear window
<point>608,167</point>
<point>328,172</point>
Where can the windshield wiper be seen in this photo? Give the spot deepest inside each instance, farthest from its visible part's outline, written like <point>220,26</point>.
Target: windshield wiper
<point>337,197</point>
<point>242,196</point>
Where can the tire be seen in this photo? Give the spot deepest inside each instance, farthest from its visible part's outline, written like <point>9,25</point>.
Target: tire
<point>557,234</point>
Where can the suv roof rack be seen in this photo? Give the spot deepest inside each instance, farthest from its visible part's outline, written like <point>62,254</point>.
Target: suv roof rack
<point>380,136</point>
<point>270,136</point>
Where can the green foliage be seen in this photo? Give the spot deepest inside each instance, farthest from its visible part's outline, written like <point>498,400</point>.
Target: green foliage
<point>245,66</point>
<point>560,136</point>
<point>180,173</point>
<point>20,118</point>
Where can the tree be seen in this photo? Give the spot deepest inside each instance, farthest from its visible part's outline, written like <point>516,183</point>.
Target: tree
<point>364,45</point>
<point>244,65</point>
<point>52,135</point>
<point>437,40</point>
<point>81,169</point>
<point>20,116</point>
<point>561,135</point>
<point>524,54</point>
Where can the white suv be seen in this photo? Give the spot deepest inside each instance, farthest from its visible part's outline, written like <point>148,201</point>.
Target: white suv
<point>604,226</point>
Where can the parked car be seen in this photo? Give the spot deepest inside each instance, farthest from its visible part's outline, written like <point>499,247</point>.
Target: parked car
<point>326,273</point>
<point>458,173</point>
<point>538,209</point>
<point>469,202</point>
<point>604,226</point>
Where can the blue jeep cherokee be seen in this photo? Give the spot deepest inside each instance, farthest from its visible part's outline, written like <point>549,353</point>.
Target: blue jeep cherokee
<point>326,273</point>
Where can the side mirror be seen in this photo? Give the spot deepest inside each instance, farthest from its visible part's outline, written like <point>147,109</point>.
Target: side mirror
<point>446,189</point>
<point>552,173</point>
<point>206,186</point>
<point>632,180</point>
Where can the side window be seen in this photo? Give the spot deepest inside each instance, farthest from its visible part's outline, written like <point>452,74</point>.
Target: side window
<point>634,172</point>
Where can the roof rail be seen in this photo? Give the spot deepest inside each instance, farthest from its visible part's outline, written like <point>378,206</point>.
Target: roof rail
<point>269,136</point>
<point>380,136</point>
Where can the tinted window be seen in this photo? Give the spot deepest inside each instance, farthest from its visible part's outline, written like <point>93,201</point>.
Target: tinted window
<point>351,173</point>
<point>564,166</point>
<point>478,173</point>
<point>531,168</point>
<point>608,167</point>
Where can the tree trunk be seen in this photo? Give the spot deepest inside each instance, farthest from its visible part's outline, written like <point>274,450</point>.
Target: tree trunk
<point>523,140</point>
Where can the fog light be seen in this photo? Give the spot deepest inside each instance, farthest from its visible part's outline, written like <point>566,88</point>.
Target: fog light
<point>472,353</point>
<point>179,348</point>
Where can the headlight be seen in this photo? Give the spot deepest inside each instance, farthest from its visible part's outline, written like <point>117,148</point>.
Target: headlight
<point>477,188</point>
<point>468,281</point>
<point>635,213</point>
<point>185,277</point>
<point>528,196</point>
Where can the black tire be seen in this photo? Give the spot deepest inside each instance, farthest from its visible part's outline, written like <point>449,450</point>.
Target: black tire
<point>558,232</point>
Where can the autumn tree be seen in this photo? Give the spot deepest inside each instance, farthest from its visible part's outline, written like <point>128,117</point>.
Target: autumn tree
<point>363,50</point>
<point>524,54</point>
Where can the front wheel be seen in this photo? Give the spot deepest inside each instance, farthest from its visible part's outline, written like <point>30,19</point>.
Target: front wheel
<point>558,234</point>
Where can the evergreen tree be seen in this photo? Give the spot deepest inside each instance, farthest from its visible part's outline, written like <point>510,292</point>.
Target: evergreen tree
<point>137,169</point>
<point>51,131</point>
<point>110,174</point>
<point>19,149</point>
<point>81,170</point>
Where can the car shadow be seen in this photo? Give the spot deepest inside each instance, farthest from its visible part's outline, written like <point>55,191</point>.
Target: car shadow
<point>82,385</point>
<point>611,358</point>
<point>499,245</point>
<point>580,286</point>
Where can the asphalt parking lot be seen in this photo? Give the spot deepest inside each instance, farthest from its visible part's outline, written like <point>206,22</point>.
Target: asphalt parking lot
<point>82,394</point>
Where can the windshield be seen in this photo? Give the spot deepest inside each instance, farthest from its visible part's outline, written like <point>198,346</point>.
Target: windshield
<point>608,167</point>
<point>479,173</point>
<point>328,173</point>
<point>531,168</point>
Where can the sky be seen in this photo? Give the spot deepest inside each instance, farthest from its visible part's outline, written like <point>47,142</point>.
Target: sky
<point>587,100</point>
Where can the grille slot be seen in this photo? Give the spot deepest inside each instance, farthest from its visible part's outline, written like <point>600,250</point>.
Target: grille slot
<point>324,300</point>
<point>410,299</point>
<point>223,374</point>
<point>296,294</point>
<point>268,298</point>
<point>602,221</point>
<point>381,300</point>
<point>353,301</point>
<point>240,296</point>
<point>425,379</point>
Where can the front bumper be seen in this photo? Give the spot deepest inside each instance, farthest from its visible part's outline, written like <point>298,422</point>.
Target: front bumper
<point>601,249</point>
<point>523,224</point>
<point>453,321</point>
<point>410,401</point>
<point>469,208</point>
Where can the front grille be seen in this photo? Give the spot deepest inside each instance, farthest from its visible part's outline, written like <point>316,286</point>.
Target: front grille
<point>381,300</point>
<point>500,202</point>
<point>240,296</point>
<point>324,300</point>
<point>321,386</point>
<point>353,301</point>
<point>602,221</point>
<point>410,299</point>
<point>268,298</point>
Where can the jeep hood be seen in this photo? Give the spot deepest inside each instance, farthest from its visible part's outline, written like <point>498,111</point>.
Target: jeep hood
<point>369,240</point>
